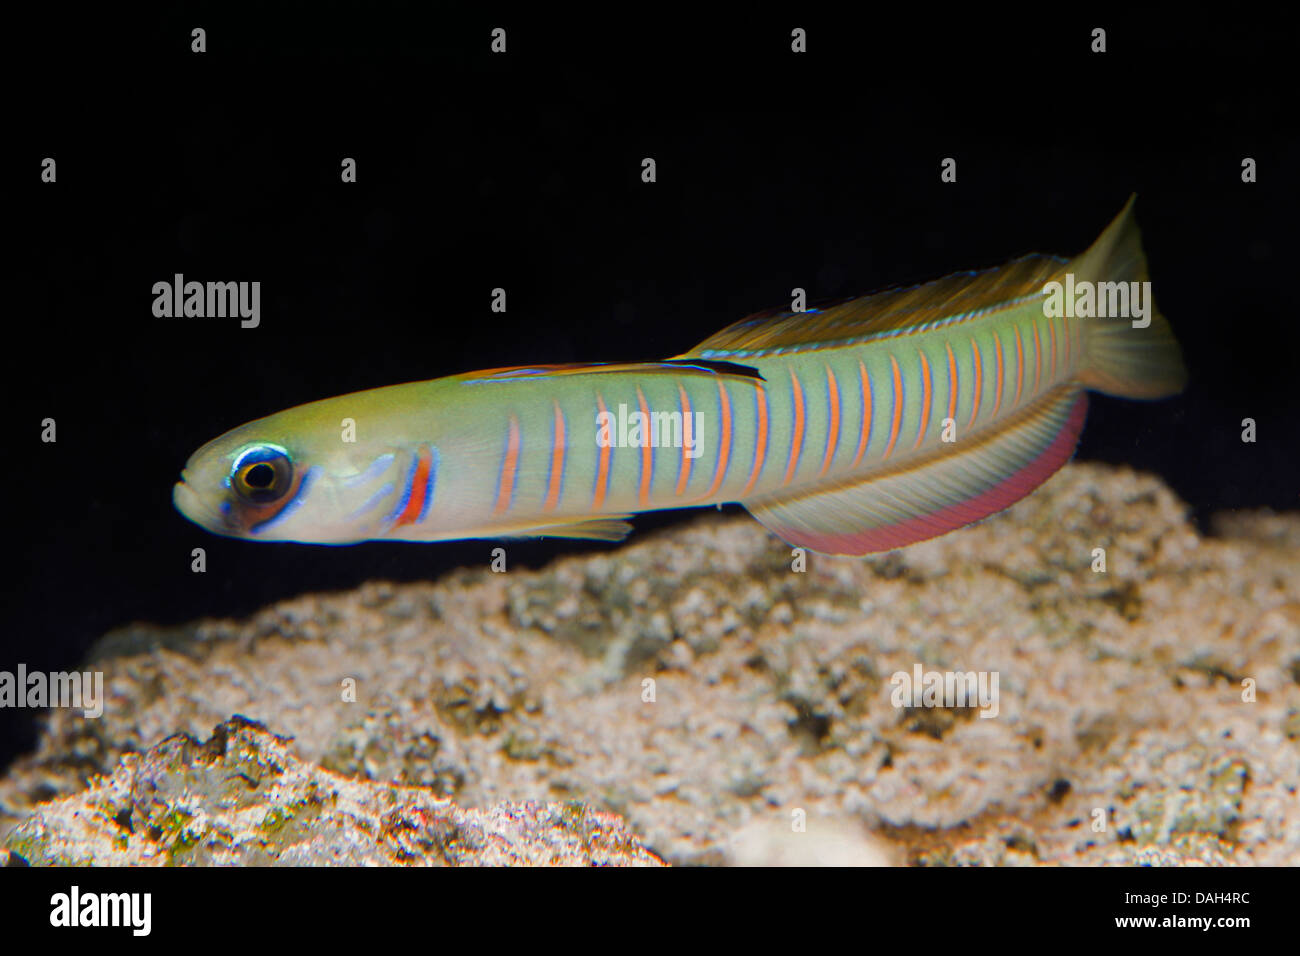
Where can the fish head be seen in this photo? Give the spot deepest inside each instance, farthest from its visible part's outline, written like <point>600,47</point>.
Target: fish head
<point>279,480</point>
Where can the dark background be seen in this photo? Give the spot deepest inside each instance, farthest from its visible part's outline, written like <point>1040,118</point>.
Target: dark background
<point>523,171</point>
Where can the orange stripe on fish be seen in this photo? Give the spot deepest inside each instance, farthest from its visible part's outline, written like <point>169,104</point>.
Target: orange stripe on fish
<point>796,439</point>
<point>684,469</point>
<point>724,444</point>
<point>760,445</point>
<point>997,399</point>
<point>509,463</point>
<point>867,412</point>
<point>898,406</point>
<point>602,461</point>
<point>833,437</point>
<point>978,359</point>
<point>925,399</point>
<point>647,450</point>
<point>418,498</point>
<point>1038,356</point>
<point>952,383</point>
<point>557,462</point>
<point>1020,366</point>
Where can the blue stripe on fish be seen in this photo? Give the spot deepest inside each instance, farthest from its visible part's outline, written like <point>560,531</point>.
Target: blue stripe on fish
<point>429,484</point>
<point>377,497</point>
<point>375,469</point>
<point>408,486</point>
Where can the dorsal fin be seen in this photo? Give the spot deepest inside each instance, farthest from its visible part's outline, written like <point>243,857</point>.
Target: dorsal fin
<point>679,366</point>
<point>892,312</point>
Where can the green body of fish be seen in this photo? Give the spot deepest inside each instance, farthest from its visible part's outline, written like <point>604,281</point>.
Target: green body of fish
<point>854,428</point>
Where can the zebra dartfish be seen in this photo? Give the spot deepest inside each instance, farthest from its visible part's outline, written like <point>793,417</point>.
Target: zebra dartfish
<point>860,426</point>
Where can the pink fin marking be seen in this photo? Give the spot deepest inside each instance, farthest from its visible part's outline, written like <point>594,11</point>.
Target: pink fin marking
<point>1003,495</point>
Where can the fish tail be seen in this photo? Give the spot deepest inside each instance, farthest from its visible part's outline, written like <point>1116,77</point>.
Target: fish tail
<point>1123,356</point>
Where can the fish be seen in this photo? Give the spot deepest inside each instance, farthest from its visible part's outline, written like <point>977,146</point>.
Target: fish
<point>848,428</point>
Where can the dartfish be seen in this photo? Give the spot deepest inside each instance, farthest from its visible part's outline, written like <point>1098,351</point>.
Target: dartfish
<point>854,427</point>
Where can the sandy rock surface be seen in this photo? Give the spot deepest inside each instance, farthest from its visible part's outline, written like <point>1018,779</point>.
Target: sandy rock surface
<point>696,686</point>
<point>243,798</point>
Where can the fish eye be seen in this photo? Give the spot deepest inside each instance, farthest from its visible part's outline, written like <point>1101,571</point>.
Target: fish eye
<point>262,474</point>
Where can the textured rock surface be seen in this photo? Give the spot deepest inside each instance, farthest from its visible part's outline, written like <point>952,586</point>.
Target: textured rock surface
<point>1121,694</point>
<point>242,798</point>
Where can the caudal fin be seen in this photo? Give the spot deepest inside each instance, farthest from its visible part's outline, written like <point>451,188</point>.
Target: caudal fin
<point>1141,361</point>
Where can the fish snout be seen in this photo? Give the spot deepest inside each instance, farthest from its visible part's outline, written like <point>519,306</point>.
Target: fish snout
<point>190,503</point>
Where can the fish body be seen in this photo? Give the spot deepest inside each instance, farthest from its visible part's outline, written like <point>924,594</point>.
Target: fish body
<point>855,427</point>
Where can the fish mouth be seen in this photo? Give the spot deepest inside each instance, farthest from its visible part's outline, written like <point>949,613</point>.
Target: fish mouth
<point>191,504</point>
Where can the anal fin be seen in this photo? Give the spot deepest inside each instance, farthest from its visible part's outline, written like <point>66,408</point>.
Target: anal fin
<point>935,494</point>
